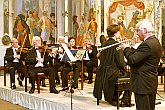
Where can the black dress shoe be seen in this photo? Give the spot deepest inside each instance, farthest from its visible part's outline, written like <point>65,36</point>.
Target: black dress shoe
<point>43,84</point>
<point>54,90</point>
<point>20,83</point>
<point>31,91</point>
<point>90,82</point>
<point>58,81</point>
<point>13,87</point>
<point>64,88</point>
<point>113,103</point>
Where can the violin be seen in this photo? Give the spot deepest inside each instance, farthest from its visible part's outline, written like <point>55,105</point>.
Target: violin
<point>44,49</point>
<point>22,50</point>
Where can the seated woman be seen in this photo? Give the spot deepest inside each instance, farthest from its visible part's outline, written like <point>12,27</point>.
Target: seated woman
<point>68,67</point>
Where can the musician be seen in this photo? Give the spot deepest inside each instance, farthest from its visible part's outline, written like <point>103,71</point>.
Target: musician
<point>68,67</point>
<point>58,58</point>
<point>111,59</point>
<point>14,62</point>
<point>90,60</point>
<point>144,64</point>
<point>37,61</point>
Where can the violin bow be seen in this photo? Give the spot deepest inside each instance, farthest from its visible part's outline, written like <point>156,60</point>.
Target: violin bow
<point>23,43</point>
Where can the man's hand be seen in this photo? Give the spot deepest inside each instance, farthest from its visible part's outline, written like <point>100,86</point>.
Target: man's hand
<point>18,56</point>
<point>123,46</point>
<point>40,60</point>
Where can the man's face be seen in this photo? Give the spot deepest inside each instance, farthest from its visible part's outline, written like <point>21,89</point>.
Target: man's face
<point>140,33</point>
<point>86,42</point>
<point>61,40</point>
<point>15,43</point>
<point>120,20</point>
<point>37,42</point>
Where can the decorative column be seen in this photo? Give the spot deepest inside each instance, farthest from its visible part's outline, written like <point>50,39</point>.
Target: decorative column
<point>105,17</point>
<point>1,18</point>
<point>82,7</point>
<point>66,16</point>
<point>98,18</point>
<point>56,30</point>
<point>70,22</point>
<point>10,19</point>
<point>60,17</point>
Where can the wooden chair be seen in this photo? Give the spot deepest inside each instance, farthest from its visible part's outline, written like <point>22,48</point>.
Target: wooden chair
<point>39,76</point>
<point>84,69</point>
<point>5,71</point>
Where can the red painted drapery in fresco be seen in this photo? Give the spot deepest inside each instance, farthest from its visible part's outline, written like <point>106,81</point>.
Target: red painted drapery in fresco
<point>139,4</point>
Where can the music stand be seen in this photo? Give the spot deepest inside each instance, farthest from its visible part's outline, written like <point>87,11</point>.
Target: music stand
<point>68,56</point>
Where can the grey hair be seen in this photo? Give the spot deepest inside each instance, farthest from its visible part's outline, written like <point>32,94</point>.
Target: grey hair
<point>147,24</point>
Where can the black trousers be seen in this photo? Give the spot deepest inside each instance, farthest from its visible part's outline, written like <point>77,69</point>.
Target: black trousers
<point>145,101</point>
<point>74,77</point>
<point>47,71</point>
<point>19,68</point>
<point>56,65</point>
<point>90,65</point>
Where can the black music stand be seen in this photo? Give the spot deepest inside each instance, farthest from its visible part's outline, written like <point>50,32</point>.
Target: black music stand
<point>69,56</point>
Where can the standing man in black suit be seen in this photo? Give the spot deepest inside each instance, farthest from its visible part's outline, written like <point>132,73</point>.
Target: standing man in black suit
<point>14,62</point>
<point>37,61</point>
<point>144,64</point>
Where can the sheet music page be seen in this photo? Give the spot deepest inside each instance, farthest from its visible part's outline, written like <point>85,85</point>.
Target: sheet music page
<point>80,54</point>
<point>68,52</point>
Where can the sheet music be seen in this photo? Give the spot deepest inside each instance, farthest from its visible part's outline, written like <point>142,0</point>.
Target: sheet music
<point>80,54</point>
<point>68,52</point>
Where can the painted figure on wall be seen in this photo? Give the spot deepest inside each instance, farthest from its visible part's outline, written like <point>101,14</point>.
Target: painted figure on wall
<point>81,33</point>
<point>120,22</point>
<point>75,26</point>
<point>46,26</point>
<point>21,31</point>
<point>92,26</point>
<point>132,25</point>
<point>30,23</point>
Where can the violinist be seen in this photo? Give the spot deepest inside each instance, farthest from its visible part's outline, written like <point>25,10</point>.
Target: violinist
<point>57,58</point>
<point>90,58</point>
<point>37,61</point>
<point>76,68</point>
<point>14,62</point>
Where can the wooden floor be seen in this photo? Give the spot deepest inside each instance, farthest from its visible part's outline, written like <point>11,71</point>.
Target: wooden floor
<point>4,105</point>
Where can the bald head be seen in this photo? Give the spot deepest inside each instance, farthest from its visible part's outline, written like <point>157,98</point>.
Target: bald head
<point>14,42</point>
